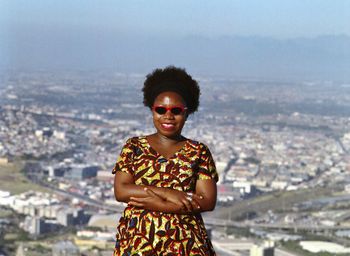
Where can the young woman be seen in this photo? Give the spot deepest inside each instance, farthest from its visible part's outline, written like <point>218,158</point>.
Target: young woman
<point>166,179</point>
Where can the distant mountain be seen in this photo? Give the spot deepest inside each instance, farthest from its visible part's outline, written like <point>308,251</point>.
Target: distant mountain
<point>323,57</point>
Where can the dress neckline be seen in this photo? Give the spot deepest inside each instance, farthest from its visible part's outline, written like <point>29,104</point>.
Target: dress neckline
<point>159,154</point>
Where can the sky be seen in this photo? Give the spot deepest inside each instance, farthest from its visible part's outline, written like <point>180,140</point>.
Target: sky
<point>272,18</point>
<point>227,37</point>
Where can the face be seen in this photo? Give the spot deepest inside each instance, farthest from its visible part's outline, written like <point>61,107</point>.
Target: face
<point>169,124</point>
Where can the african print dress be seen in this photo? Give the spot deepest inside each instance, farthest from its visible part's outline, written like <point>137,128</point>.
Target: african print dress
<point>145,232</point>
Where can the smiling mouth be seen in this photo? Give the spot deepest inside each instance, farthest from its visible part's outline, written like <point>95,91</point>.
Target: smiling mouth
<point>168,126</point>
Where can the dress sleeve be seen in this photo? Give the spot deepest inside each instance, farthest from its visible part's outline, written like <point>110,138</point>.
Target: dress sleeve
<point>124,161</point>
<point>206,167</point>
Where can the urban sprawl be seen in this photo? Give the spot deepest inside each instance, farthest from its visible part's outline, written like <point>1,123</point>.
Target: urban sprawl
<point>281,150</point>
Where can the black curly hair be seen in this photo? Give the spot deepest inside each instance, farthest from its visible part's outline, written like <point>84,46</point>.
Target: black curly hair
<point>171,79</point>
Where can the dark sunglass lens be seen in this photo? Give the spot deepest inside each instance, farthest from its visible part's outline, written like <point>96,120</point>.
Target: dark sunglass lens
<point>176,110</point>
<point>160,110</point>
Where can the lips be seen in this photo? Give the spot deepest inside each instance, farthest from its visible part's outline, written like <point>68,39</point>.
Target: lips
<point>168,126</point>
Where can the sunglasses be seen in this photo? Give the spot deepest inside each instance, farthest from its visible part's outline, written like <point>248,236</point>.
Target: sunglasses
<point>176,110</point>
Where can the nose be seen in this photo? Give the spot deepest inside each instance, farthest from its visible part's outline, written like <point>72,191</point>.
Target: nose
<point>168,114</point>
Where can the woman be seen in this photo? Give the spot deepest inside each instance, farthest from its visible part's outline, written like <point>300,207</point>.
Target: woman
<point>165,178</point>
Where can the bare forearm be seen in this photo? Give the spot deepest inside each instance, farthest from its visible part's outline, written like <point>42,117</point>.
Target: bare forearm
<point>168,207</point>
<point>203,199</point>
<point>126,191</point>
<point>159,205</point>
<point>123,192</point>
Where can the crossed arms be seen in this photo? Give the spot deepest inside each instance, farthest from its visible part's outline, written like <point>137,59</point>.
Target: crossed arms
<point>165,200</point>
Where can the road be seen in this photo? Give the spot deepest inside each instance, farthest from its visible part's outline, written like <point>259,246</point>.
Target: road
<point>279,252</point>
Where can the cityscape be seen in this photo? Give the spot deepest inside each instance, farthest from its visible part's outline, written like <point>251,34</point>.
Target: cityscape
<point>281,148</point>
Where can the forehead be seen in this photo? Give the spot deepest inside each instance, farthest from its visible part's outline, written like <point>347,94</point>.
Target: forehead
<point>169,98</point>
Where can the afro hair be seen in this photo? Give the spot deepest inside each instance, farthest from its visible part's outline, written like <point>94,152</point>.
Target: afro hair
<point>171,79</point>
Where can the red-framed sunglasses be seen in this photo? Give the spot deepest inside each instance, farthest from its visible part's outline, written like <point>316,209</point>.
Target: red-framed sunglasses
<point>175,110</point>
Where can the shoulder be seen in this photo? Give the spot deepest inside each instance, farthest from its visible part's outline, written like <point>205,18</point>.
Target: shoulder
<point>135,144</point>
<point>197,145</point>
<point>132,142</point>
<point>135,140</point>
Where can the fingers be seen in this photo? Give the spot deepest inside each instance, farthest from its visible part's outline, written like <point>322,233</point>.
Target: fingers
<point>197,197</point>
<point>194,200</point>
<point>187,205</point>
<point>190,201</point>
<point>138,202</point>
<point>195,205</point>
<point>138,199</point>
<point>133,203</point>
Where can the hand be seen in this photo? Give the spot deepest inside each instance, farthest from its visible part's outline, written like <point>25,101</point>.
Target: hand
<point>187,201</point>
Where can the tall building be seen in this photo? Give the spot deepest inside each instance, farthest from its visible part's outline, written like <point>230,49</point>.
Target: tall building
<point>38,226</point>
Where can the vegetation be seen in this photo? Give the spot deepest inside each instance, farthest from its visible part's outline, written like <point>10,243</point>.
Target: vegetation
<point>13,180</point>
<point>275,201</point>
<point>4,213</point>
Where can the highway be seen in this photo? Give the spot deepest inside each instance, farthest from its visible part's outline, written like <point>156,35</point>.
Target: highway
<point>279,252</point>
<point>85,199</point>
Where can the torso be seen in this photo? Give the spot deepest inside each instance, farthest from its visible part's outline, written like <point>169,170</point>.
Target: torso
<point>143,231</point>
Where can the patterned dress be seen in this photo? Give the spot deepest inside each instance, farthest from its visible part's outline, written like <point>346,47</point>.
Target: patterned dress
<point>145,232</point>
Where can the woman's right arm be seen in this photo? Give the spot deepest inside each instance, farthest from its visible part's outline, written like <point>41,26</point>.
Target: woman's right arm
<point>124,187</point>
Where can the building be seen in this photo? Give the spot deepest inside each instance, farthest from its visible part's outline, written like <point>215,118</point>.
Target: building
<point>81,172</point>
<point>65,248</point>
<point>71,217</point>
<point>245,188</point>
<point>38,226</point>
<point>267,249</point>
<point>65,217</point>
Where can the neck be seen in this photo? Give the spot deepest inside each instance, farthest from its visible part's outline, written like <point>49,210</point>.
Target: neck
<point>174,139</point>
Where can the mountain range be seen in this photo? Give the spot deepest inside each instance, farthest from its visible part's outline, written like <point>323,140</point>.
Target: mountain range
<point>322,57</point>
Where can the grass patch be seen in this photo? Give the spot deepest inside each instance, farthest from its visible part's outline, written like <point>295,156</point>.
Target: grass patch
<point>5,213</point>
<point>14,181</point>
<point>10,237</point>
<point>276,201</point>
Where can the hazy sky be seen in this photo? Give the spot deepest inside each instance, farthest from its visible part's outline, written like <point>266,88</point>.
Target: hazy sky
<point>262,38</point>
<point>276,18</point>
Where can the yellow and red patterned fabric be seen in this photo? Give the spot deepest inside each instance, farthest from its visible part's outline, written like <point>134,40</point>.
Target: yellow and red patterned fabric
<point>145,232</point>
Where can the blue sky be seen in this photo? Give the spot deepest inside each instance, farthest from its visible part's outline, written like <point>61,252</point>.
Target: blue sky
<point>275,18</point>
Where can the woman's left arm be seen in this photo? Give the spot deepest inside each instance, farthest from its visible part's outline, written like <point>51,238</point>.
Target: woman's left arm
<point>207,189</point>
<point>206,180</point>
